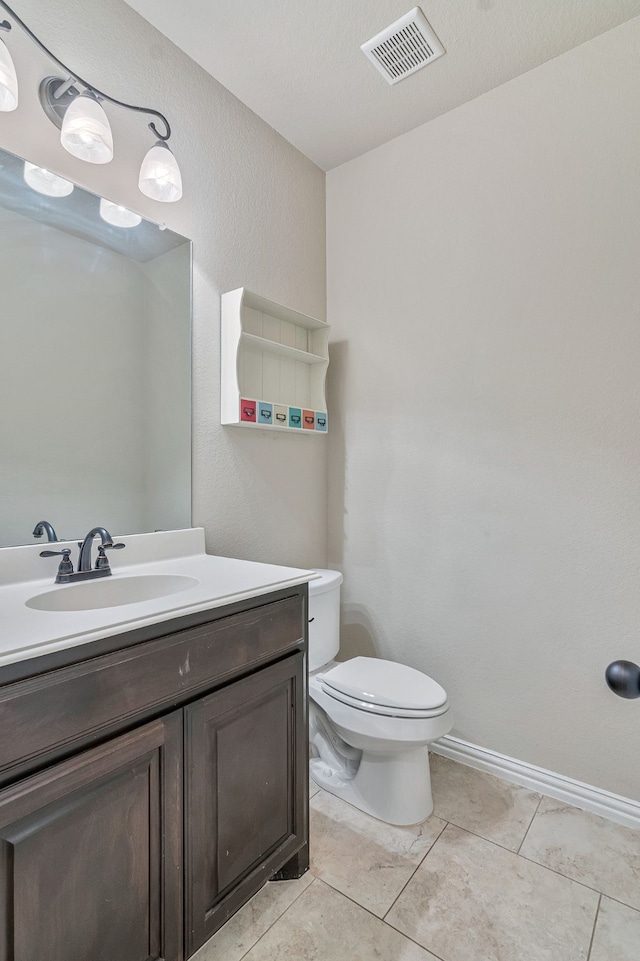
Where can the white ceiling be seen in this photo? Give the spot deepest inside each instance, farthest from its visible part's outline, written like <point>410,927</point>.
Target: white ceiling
<point>298,64</point>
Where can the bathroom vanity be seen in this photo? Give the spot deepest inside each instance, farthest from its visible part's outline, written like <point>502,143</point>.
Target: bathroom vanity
<point>152,779</point>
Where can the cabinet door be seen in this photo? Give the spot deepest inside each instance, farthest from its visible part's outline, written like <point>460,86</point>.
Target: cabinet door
<point>246,791</point>
<point>90,854</point>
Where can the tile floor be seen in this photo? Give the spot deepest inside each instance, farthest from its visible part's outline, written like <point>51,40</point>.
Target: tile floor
<point>498,873</point>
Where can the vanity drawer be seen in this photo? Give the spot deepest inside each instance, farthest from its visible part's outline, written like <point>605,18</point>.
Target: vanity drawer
<point>46,713</point>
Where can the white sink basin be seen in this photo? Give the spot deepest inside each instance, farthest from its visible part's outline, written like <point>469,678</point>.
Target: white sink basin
<point>111,592</point>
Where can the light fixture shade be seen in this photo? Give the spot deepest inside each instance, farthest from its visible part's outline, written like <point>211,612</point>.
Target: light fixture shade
<point>160,177</point>
<point>8,81</point>
<point>45,182</point>
<point>86,132</point>
<point>118,216</point>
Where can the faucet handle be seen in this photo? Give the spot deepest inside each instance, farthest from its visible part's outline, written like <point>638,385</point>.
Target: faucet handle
<point>102,561</point>
<point>107,547</point>
<point>65,566</point>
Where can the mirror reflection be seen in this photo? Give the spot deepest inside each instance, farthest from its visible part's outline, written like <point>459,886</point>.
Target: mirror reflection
<point>95,388</point>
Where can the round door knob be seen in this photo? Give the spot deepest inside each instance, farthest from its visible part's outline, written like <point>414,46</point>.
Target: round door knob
<point>623,677</point>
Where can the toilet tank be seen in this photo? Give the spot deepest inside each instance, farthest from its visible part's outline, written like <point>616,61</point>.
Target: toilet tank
<point>324,618</point>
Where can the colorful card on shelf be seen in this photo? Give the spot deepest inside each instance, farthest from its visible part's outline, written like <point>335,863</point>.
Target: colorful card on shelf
<point>265,413</point>
<point>321,420</point>
<point>309,419</point>
<point>295,417</point>
<point>248,410</point>
<point>280,415</point>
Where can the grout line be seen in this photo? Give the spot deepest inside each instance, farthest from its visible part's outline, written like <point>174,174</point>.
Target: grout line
<point>368,910</point>
<point>582,884</point>
<point>481,837</point>
<point>413,873</point>
<point>530,823</point>
<point>632,907</point>
<point>593,932</point>
<point>266,931</point>
<point>350,898</point>
<point>418,943</point>
<point>524,857</point>
<point>377,916</point>
<point>531,861</point>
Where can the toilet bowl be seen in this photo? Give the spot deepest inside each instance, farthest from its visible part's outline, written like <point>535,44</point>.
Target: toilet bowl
<point>370,720</point>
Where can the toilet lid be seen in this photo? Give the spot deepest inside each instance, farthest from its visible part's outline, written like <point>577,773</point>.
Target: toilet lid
<point>374,681</point>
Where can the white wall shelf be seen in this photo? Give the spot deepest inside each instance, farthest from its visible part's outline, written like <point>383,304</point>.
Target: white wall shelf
<point>274,364</point>
<point>304,356</point>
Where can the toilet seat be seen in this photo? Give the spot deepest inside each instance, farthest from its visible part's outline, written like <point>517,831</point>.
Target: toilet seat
<point>384,687</point>
<point>383,710</point>
<point>375,731</point>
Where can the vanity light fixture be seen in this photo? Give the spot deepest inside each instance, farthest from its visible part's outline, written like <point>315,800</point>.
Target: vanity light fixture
<point>160,175</point>
<point>118,216</point>
<point>45,182</point>
<point>75,107</point>
<point>86,131</point>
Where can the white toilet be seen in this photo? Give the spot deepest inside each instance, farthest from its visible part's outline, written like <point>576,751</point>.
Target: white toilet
<point>370,720</point>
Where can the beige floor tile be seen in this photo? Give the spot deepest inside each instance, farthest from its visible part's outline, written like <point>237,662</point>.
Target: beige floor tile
<point>323,925</point>
<point>617,936</point>
<point>471,900</point>
<point>247,926</point>
<point>587,848</point>
<point>366,859</point>
<point>480,803</point>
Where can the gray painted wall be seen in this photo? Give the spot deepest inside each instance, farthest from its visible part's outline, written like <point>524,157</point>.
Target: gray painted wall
<point>484,294</point>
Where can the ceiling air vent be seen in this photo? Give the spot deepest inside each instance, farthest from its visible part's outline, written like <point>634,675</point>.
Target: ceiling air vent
<point>404,47</point>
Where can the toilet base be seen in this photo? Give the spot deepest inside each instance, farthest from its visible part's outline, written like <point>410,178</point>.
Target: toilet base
<point>395,788</point>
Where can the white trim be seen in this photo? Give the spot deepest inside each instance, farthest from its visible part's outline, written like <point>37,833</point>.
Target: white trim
<point>622,810</point>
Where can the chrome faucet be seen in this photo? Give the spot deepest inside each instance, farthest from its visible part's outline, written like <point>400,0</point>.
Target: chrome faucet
<point>85,572</point>
<point>43,527</point>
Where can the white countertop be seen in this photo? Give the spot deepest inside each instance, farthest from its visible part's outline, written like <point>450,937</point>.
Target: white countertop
<point>26,633</point>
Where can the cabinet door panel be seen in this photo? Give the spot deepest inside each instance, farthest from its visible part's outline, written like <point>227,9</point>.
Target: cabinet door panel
<point>245,797</point>
<point>90,854</point>
<point>254,814</point>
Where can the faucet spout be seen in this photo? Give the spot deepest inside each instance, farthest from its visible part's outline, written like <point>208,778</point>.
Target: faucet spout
<point>84,561</point>
<point>44,527</point>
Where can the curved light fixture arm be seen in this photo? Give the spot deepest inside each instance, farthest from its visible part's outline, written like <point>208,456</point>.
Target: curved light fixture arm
<point>6,26</point>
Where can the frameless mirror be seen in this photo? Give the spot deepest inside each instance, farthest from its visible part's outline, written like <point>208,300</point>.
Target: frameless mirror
<point>95,366</point>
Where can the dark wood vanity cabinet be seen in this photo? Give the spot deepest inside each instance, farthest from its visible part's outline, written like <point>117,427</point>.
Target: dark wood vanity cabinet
<point>168,787</point>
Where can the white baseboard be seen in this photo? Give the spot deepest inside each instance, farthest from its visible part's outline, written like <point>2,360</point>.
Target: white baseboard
<point>622,810</point>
